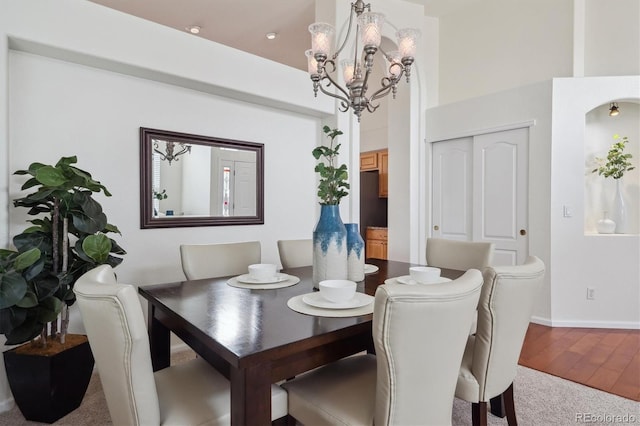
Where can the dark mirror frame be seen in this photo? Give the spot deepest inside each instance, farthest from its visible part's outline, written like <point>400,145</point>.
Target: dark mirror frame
<point>147,220</point>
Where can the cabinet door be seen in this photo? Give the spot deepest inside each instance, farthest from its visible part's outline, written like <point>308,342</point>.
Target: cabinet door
<point>376,249</point>
<point>383,167</point>
<point>368,161</point>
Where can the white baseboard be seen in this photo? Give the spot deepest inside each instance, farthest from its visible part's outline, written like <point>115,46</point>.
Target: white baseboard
<point>627,325</point>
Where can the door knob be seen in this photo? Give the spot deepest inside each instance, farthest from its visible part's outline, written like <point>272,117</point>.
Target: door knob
<point>523,232</point>
<point>436,227</point>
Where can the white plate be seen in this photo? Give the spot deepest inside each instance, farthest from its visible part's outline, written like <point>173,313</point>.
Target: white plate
<point>246,278</point>
<point>369,268</point>
<point>406,279</point>
<point>316,300</point>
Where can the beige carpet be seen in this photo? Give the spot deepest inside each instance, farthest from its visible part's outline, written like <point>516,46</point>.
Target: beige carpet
<point>541,399</point>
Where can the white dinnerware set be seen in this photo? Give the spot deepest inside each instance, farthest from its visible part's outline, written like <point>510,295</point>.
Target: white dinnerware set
<point>419,275</point>
<point>263,276</point>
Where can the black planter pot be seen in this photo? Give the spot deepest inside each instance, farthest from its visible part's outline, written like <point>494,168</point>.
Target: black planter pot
<point>48,387</point>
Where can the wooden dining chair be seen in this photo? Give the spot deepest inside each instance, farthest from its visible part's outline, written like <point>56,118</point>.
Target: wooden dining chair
<point>201,261</point>
<point>419,333</point>
<point>189,393</point>
<point>460,255</point>
<point>491,355</point>
<point>295,253</point>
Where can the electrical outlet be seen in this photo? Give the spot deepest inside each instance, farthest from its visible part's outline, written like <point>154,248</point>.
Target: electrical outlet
<point>591,293</point>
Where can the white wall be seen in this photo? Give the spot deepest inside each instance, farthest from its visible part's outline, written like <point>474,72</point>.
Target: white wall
<point>557,173</point>
<point>528,106</point>
<point>89,87</point>
<point>612,37</point>
<point>607,263</point>
<point>494,45</point>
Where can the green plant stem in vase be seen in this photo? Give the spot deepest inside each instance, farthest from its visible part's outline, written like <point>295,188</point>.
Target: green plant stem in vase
<point>615,166</point>
<point>333,183</point>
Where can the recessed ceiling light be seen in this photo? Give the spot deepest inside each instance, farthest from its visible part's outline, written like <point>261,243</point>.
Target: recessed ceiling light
<point>193,29</point>
<point>271,36</point>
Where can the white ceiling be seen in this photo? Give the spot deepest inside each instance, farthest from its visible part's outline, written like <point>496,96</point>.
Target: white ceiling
<point>243,24</point>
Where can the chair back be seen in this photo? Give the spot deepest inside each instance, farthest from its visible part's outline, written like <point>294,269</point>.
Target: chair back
<point>201,261</point>
<point>459,255</point>
<point>118,337</point>
<point>295,253</point>
<point>419,335</point>
<point>504,311</point>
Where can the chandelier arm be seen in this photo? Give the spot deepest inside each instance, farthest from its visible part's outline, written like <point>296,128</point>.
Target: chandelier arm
<point>162,155</point>
<point>344,101</point>
<point>332,82</point>
<point>384,90</point>
<point>346,37</point>
<point>371,107</point>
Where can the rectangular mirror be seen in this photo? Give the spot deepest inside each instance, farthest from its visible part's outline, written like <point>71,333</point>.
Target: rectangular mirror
<point>192,180</point>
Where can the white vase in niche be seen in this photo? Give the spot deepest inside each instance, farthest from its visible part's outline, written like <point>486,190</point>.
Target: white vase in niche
<point>619,211</point>
<point>606,225</point>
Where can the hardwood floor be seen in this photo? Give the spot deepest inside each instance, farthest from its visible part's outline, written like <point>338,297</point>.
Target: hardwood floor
<point>605,359</point>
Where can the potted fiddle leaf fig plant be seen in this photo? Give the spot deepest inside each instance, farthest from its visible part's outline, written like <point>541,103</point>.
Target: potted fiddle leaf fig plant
<point>67,237</point>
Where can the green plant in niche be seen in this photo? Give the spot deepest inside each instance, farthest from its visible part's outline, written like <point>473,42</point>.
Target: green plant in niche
<point>333,179</point>
<point>36,281</point>
<point>617,162</point>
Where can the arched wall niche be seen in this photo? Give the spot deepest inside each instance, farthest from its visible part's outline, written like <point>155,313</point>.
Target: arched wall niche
<point>599,192</point>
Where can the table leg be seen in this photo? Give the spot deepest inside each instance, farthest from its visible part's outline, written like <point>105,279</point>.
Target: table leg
<point>251,396</point>
<point>159,341</point>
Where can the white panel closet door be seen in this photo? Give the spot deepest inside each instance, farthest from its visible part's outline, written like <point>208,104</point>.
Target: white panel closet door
<point>480,192</point>
<point>453,189</point>
<point>500,193</point>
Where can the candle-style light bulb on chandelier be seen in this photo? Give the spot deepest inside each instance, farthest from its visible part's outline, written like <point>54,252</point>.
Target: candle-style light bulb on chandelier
<point>357,69</point>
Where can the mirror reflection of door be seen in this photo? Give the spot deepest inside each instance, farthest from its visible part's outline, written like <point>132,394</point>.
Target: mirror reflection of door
<point>238,188</point>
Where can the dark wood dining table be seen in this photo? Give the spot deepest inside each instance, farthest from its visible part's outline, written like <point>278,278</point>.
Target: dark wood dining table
<point>253,337</point>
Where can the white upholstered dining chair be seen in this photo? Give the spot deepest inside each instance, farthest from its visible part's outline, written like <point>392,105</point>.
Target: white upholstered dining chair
<point>459,255</point>
<point>491,355</point>
<point>218,260</point>
<point>190,393</point>
<point>419,333</point>
<point>295,253</point>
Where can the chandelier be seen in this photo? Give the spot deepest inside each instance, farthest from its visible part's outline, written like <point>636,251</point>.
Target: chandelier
<point>170,153</point>
<point>357,69</point>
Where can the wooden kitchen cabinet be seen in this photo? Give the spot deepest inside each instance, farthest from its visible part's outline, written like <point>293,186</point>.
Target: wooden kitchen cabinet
<point>368,161</point>
<point>376,243</point>
<point>383,172</point>
<point>377,160</point>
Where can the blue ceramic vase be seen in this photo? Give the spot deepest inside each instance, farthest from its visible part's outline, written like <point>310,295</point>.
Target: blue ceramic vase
<point>329,246</point>
<point>355,253</point>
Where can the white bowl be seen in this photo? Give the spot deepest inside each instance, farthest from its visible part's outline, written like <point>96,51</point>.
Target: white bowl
<point>262,271</point>
<point>424,274</point>
<point>337,291</point>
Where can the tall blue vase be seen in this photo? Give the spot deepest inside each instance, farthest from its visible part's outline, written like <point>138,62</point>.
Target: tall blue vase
<point>329,246</point>
<point>355,253</point>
